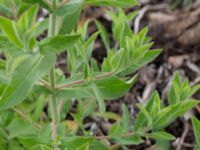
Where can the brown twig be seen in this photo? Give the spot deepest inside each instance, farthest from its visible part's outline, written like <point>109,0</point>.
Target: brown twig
<point>188,145</point>
<point>143,11</point>
<point>183,136</point>
<point>198,108</point>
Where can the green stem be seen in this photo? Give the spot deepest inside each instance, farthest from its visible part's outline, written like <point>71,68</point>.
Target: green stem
<point>53,99</point>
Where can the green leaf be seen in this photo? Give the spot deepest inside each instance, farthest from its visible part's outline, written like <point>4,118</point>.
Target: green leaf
<point>30,142</point>
<point>160,135</point>
<point>4,134</point>
<point>148,57</point>
<point>99,96</point>
<point>19,127</point>
<point>4,78</point>
<point>76,92</point>
<point>33,68</point>
<point>67,26</point>
<point>42,147</point>
<point>72,143</point>
<point>196,130</point>
<point>121,32</point>
<point>104,34</point>
<point>170,113</point>
<point>194,89</point>
<point>89,45</point>
<point>28,18</point>
<point>6,117</point>
<point>39,108</point>
<point>152,103</point>
<point>127,61</point>
<point>98,145</point>
<point>146,114</point>
<point>57,44</point>
<point>4,9</point>
<point>38,28</point>
<point>7,27</point>
<point>111,88</point>
<point>115,130</point>
<point>84,147</point>
<point>180,90</point>
<point>108,115</point>
<point>131,140</point>
<point>8,47</point>
<point>70,8</point>
<point>163,144</point>
<point>125,118</point>
<point>112,3</point>
<point>175,90</point>
<point>40,2</point>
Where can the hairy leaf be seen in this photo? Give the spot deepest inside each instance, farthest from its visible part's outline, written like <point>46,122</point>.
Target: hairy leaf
<point>7,27</point>
<point>57,44</point>
<point>33,68</point>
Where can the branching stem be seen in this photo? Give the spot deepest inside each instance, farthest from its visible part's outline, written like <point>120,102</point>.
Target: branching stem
<point>108,137</point>
<point>53,99</point>
<point>81,81</point>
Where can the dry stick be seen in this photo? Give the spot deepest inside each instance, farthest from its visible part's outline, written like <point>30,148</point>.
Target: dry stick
<point>26,118</point>
<point>138,19</point>
<point>81,81</point>
<point>188,145</point>
<point>143,11</point>
<point>186,129</point>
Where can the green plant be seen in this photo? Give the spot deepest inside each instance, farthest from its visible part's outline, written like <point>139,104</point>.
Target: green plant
<point>196,129</point>
<point>29,81</point>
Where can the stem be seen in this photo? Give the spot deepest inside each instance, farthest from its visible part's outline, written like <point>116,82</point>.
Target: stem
<point>108,137</point>
<point>53,99</point>
<point>81,81</point>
